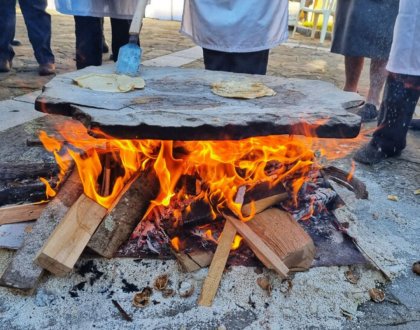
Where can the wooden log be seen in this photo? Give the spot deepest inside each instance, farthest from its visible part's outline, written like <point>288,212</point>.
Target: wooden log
<point>284,236</point>
<point>193,261</point>
<point>67,242</point>
<point>20,213</point>
<point>217,266</point>
<point>121,220</point>
<point>22,273</point>
<point>264,252</point>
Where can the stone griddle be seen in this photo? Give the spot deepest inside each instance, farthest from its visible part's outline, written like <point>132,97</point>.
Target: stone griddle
<point>177,104</point>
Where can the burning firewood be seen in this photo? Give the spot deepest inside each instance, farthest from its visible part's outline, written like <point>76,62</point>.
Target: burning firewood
<point>67,242</point>
<point>121,220</point>
<point>22,272</point>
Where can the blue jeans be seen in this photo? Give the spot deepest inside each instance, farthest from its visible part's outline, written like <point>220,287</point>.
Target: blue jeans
<point>38,23</point>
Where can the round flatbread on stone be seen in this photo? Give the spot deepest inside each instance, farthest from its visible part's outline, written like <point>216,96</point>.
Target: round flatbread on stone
<point>246,89</point>
<point>114,83</point>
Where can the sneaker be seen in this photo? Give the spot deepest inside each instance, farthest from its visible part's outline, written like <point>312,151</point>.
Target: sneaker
<point>46,69</point>
<point>5,65</point>
<point>368,113</point>
<point>369,154</point>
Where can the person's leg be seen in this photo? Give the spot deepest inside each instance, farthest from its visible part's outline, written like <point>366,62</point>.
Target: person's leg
<point>378,74</point>
<point>88,41</point>
<point>253,62</point>
<point>353,66</point>
<point>38,23</point>
<point>105,47</point>
<point>401,95</point>
<point>7,33</point>
<point>120,35</point>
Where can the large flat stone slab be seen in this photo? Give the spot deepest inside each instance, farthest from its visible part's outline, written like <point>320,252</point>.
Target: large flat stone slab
<point>177,104</point>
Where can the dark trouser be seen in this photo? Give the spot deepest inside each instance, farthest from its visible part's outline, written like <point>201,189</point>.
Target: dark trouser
<point>89,41</point>
<point>38,24</point>
<point>401,94</point>
<point>254,62</point>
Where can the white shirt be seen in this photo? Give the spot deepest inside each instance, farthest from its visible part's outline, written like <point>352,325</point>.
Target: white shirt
<point>236,25</point>
<point>405,51</point>
<point>123,9</point>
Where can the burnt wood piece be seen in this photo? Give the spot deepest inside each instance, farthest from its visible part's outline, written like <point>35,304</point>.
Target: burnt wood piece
<point>30,191</point>
<point>22,273</point>
<point>345,179</point>
<point>19,213</point>
<point>285,237</point>
<point>263,195</point>
<point>66,243</point>
<point>121,220</point>
<point>13,171</point>
<point>177,104</point>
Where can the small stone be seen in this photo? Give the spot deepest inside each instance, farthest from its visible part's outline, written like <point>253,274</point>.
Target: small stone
<point>416,268</point>
<point>393,198</point>
<point>186,289</point>
<point>142,298</point>
<point>377,295</point>
<point>417,192</point>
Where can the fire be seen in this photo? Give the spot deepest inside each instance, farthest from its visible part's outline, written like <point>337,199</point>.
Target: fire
<point>220,167</point>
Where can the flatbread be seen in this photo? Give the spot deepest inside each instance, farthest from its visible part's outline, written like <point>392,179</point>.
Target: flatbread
<point>114,83</point>
<point>238,89</point>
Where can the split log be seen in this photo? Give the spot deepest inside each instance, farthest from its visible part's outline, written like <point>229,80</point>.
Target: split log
<point>20,213</point>
<point>284,236</point>
<point>217,266</point>
<point>195,260</point>
<point>13,171</point>
<point>121,220</point>
<point>67,242</point>
<point>22,273</point>
<point>264,252</point>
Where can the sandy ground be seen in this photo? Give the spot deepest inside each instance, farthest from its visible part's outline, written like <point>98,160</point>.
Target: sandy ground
<point>320,298</point>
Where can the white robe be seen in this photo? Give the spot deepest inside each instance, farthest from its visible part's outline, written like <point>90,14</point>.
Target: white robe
<point>236,25</point>
<point>123,9</point>
<point>405,51</point>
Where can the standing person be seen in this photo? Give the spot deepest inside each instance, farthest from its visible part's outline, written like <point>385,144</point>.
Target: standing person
<point>402,89</point>
<point>363,28</point>
<point>236,35</point>
<point>38,24</point>
<point>88,17</point>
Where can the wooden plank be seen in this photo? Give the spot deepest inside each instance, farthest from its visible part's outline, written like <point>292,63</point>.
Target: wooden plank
<point>284,236</point>
<point>20,213</point>
<point>121,220</point>
<point>217,266</point>
<point>67,242</point>
<point>267,256</point>
<point>22,273</point>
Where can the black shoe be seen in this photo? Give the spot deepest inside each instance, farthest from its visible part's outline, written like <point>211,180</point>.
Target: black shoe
<point>369,154</point>
<point>46,69</point>
<point>368,113</point>
<point>16,42</point>
<point>5,65</point>
<point>415,124</point>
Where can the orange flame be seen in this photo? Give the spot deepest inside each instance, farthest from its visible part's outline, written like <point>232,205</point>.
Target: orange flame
<point>222,166</point>
<point>236,242</point>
